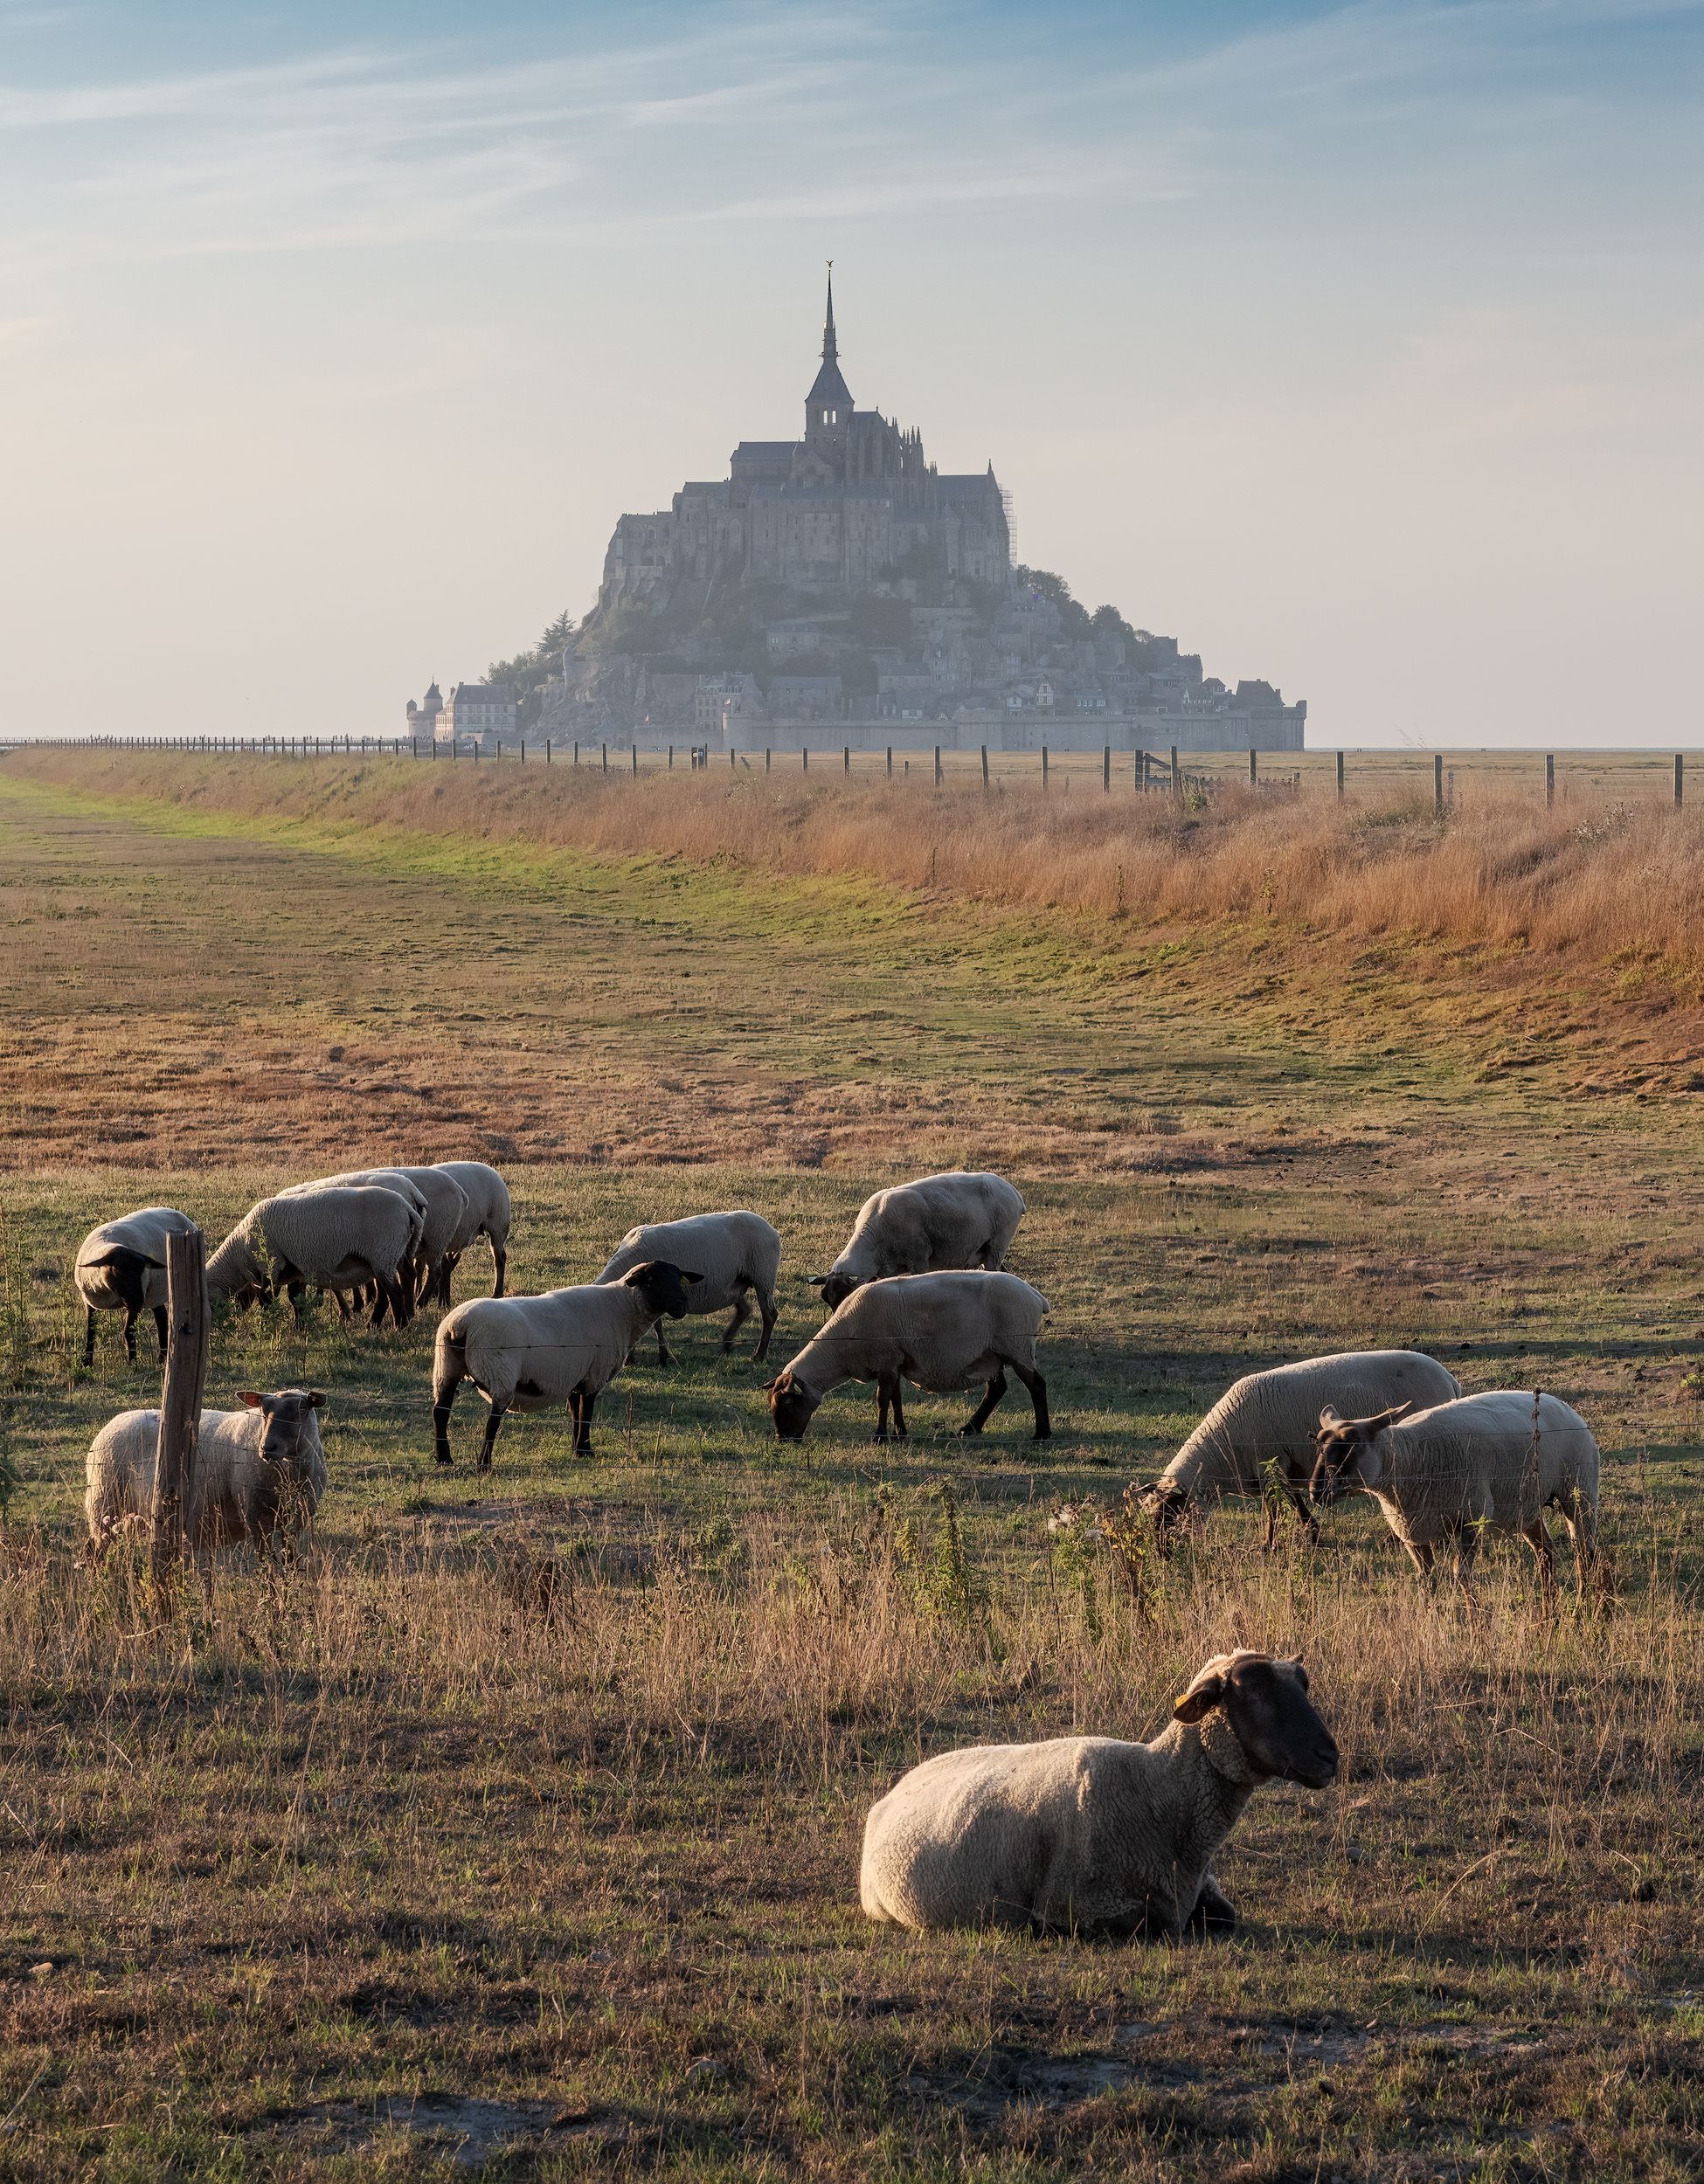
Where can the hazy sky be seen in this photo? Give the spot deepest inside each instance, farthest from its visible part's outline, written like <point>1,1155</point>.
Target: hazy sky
<point>1359,347</point>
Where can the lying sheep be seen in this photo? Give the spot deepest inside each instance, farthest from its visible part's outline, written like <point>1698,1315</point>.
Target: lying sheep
<point>1443,1476</point>
<point>939,1222</point>
<point>488,1215</point>
<point>1261,1429</point>
<point>735,1256</point>
<point>258,1472</point>
<point>1089,1835</point>
<point>121,1266</point>
<point>338,1237</point>
<point>938,1330</point>
<point>528,1352</point>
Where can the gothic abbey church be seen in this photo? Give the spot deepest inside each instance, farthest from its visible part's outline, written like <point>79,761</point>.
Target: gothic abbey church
<point>851,502</point>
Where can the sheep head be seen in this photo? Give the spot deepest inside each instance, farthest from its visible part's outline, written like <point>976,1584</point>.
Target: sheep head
<point>1268,1710</point>
<point>1346,1452</point>
<point>289,1432</point>
<point>664,1287</point>
<point>791,1405</point>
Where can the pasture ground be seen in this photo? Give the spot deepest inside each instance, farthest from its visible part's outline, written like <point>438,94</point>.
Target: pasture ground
<point>515,1826</point>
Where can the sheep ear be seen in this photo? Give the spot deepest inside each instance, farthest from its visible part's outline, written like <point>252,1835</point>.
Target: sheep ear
<point>816,1281</point>
<point>1330,1416</point>
<point>1202,1695</point>
<point>685,1276</point>
<point>250,1396</point>
<point>316,1398</point>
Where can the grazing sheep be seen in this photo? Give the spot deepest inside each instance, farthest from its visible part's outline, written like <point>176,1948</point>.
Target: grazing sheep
<point>121,1265</point>
<point>488,1215</point>
<point>733,1254</point>
<point>938,1221</point>
<point>338,1238</point>
<point>939,1330</point>
<point>1089,1835</point>
<point>1262,1428</point>
<point>438,1210</point>
<point>528,1352</point>
<point>257,1471</point>
<point>1443,1476</point>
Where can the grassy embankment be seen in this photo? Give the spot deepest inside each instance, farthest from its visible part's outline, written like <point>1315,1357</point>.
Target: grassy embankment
<point>546,1789</point>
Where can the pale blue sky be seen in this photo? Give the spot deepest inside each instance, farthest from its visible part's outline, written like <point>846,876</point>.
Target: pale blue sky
<point>1360,347</point>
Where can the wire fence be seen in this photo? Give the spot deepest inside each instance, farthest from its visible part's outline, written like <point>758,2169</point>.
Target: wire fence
<point>1384,777</point>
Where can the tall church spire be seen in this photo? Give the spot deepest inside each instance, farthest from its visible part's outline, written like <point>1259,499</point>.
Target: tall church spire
<point>828,404</point>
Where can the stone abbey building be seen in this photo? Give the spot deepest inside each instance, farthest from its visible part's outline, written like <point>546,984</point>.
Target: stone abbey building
<point>851,502</point>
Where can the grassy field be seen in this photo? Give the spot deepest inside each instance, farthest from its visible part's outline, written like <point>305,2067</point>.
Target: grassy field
<point>515,1825</point>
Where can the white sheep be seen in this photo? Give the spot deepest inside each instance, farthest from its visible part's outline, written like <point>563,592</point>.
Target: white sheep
<point>736,1255</point>
<point>121,1266</point>
<point>939,1330</point>
<point>338,1238</point>
<point>938,1221</point>
<point>488,1216</point>
<point>1494,1461</point>
<point>1090,1835</point>
<point>526,1353</point>
<point>257,1472</point>
<point>1261,1430</point>
<point>436,1198</point>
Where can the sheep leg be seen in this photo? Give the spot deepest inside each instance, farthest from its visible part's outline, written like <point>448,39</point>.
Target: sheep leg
<point>160,1329</point>
<point>1270,1538</point>
<point>583,1423</point>
<point>742,1313</point>
<point>448,1371</point>
<point>1213,1913</point>
<point>492,1427</point>
<point>766,1306</point>
<point>1304,1515</point>
<point>887,1394</point>
<point>1537,1537</point>
<point>1467,1548</point>
<point>979,1418</point>
<point>1037,1389</point>
<point>665,1356</point>
<point>446,1267</point>
<point>130,1333</point>
<point>500,1266</point>
<point>88,1335</point>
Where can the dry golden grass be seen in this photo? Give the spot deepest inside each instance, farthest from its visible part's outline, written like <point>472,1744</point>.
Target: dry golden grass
<point>1612,883</point>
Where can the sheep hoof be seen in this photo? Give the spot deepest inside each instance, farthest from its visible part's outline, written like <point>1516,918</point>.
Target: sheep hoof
<point>969,1429</point>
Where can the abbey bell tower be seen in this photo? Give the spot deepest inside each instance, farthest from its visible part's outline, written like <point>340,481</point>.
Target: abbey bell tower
<point>828,404</point>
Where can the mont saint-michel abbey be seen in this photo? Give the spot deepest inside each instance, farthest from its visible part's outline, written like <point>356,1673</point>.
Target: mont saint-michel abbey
<point>840,507</point>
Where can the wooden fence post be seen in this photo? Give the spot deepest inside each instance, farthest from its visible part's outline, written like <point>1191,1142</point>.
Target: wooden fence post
<point>1254,769</point>
<point>1680,779</point>
<point>845,759</point>
<point>889,762</point>
<point>1044,765</point>
<point>1438,784</point>
<point>1549,779</point>
<point>1339,777</point>
<point>1177,778</point>
<point>1106,765</point>
<point>180,1404</point>
<point>984,765</point>
<point>937,765</point>
<point>805,758</point>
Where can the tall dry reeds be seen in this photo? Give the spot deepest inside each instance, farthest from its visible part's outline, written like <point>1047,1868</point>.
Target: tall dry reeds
<point>1619,884</point>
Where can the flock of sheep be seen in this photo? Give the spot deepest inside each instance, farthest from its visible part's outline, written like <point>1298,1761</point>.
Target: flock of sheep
<point>1084,1833</point>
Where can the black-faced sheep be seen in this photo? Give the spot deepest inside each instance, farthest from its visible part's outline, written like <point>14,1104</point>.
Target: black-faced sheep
<point>1444,1476</point>
<point>258,1472</point>
<point>939,1330</point>
<point>526,1353</point>
<point>1261,1430</point>
<point>939,1222</point>
<point>1090,1835</point>
<point>121,1266</point>
<point>736,1255</point>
